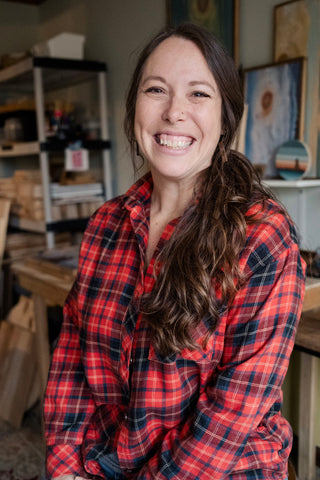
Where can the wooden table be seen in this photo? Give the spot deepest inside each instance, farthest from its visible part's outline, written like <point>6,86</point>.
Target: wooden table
<point>51,286</point>
<point>308,343</point>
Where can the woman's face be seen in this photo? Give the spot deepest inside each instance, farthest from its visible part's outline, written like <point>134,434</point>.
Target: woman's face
<point>178,111</point>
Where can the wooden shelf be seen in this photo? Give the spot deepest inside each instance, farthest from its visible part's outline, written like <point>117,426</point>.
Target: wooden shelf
<point>58,191</point>
<point>28,225</point>
<point>307,183</point>
<point>33,148</point>
<point>70,224</point>
<point>19,149</point>
<point>57,73</point>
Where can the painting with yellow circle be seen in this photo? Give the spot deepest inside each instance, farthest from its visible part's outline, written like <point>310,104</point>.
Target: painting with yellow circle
<point>218,16</point>
<point>275,95</point>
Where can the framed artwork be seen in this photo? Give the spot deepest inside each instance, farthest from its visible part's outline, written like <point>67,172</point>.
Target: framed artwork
<point>291,29</point>
<point>275,95</point>
<point>221,17</point>
<point>296,33</point>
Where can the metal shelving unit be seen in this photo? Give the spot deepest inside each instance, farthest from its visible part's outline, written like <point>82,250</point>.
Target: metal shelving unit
<point>35,76</point>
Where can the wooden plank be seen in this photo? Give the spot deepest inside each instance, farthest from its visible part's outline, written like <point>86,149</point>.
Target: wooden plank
<point>307,415</point>
<point>308,334</point>
<point>22,314</point>
<point>50,268</point>
<point>17,366</point>
<point>44,285</point>
<point>41,339</point>
<point>312,294</point>
<point>4,217</point>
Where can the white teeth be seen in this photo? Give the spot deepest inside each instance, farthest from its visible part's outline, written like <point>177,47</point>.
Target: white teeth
<point>175,142</point>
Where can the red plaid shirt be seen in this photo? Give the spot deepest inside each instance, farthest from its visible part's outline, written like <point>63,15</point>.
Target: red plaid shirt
<point>203,414</point>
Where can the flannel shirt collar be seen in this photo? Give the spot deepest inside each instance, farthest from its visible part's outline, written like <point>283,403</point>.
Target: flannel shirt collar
<point>139,193</point>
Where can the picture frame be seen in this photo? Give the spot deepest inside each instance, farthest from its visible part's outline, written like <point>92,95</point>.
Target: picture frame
<point>220,17</point>
<point>296,32</point>
<point>275,95</point>
<point>291,22</point>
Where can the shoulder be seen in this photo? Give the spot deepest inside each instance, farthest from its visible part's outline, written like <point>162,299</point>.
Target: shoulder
<point>113,212</point>
<point>109,216</point>
<point>112,219</point>
<point>272,235</point>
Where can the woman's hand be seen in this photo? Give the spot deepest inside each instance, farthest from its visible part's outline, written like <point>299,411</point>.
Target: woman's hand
<point>68,477</point>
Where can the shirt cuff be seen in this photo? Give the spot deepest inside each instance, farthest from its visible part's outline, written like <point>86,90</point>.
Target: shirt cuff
<point>64,462</point>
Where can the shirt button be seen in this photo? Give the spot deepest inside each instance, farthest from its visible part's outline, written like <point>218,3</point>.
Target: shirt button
<point>131,360</point>
<point>126,417</point>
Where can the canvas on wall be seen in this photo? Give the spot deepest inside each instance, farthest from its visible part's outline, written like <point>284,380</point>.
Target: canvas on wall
<point>218,16</point>
<point>275,97</point>
<point>291,30</point>
<point>296,33</point>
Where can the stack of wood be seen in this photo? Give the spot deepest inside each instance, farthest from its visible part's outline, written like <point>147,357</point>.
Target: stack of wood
<point>29,195</point>
<point>77,206</point>
<point>26,194</point>
<point>23,244</point>
<point>67,209</point>
<point>8,189</point>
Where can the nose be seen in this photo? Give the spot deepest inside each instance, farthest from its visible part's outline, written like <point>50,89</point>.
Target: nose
<point>175,110</point>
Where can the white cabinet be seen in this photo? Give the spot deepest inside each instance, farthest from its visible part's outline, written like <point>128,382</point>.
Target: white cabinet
<point>34,77</point>
<point>302,200</point>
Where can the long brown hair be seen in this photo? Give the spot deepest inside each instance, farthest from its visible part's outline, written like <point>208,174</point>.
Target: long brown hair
<point>205,247</point>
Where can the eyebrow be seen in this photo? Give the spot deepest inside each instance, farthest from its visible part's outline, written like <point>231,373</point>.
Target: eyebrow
<point>193,83</point>
<point>153,78</point>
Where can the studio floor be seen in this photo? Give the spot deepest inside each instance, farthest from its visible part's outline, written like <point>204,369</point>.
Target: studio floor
<point>22,451</point>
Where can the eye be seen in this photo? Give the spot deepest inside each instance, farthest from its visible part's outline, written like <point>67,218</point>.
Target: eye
<point>198,94</point>
<point>154,90</point>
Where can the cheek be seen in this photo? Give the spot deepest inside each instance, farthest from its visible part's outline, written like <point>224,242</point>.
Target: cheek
<point>141,114</point>
<point>212,129</point>
<point>138,128</point>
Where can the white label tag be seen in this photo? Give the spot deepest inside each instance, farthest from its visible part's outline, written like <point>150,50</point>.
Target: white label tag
<point>76,160</point>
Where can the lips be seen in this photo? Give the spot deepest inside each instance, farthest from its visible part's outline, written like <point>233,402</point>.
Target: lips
<point>176,142</point>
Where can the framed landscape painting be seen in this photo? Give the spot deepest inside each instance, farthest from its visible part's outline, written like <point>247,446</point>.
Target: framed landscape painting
<point>275,95</point>
<point>221,17</point>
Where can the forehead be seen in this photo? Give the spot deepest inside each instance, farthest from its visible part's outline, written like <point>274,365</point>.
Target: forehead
<point>176,53</point>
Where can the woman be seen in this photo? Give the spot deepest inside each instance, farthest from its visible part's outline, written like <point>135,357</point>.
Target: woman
<point>178,330</point>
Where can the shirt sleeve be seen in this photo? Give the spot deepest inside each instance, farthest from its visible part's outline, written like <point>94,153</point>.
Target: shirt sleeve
<point>68,405</point>
<point>259,337</point>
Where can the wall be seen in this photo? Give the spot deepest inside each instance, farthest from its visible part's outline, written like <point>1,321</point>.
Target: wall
<point>114,33</point>
<point>117,35</point>
<point>12,19</point>
<point>256,32</point>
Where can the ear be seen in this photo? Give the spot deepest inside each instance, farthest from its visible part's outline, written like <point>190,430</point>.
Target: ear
<point>137,149</point>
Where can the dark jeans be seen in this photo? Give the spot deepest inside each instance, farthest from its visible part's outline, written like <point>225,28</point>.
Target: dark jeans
<point>110,466</point>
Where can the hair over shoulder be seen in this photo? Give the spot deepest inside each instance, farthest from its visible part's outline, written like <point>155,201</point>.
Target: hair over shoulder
<point>206,245</point>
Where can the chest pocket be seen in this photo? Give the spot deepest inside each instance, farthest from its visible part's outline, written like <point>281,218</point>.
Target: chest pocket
<point>188,369</point>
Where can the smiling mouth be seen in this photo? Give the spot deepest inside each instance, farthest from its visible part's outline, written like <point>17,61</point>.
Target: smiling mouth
<point>176,142</point>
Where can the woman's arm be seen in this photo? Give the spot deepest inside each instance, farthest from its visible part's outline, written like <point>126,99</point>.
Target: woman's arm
<point>68,403</point>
